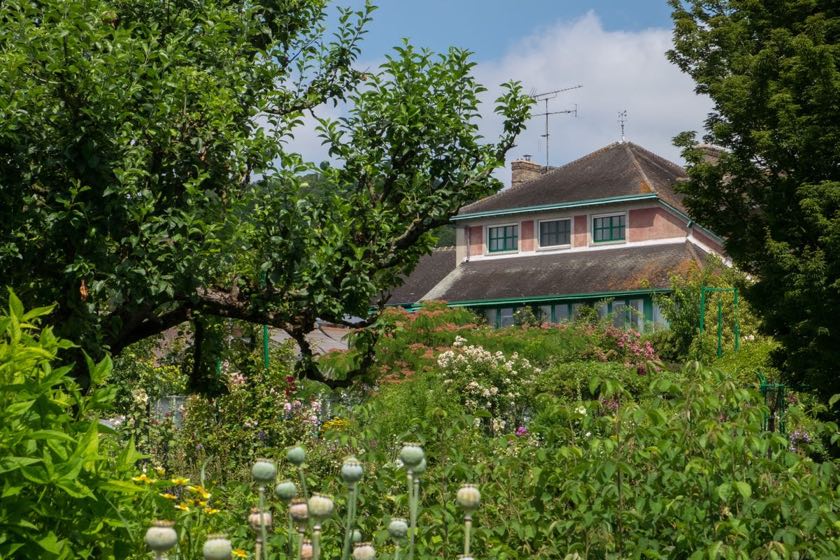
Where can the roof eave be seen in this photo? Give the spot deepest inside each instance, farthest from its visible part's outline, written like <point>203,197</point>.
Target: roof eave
<point>557,206</point>
<point>566,297</point>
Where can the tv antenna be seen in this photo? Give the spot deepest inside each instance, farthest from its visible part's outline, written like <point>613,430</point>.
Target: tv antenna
<point>622,118</point>
<point>546,97</point>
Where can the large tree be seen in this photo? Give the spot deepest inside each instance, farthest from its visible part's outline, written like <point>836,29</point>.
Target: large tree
<point>145,175</point>
<point>772,70</point>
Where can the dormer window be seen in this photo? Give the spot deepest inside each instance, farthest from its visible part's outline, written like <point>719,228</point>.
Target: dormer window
<point>502,239</point>
<point>607,229</point>
<point>555,233</point>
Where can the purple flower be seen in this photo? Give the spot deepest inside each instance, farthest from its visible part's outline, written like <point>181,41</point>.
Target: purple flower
<point>797,438</point>
<point>521,431</point>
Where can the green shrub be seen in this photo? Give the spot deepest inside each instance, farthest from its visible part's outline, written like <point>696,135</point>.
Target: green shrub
<point>62,472</point>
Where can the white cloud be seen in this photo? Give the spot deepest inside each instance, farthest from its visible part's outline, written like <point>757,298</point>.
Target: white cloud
<point>619,70</point>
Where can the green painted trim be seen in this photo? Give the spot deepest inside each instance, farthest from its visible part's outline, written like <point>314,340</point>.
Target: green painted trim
<point>560,206</point>
<point>680,214</point>
<point>568,297</point>
<point>648,310</point>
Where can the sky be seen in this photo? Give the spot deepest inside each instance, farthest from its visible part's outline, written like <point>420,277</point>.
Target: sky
<point>615,49</point>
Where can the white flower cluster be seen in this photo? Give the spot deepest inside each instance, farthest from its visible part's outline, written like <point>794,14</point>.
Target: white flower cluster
<point>488,381</point>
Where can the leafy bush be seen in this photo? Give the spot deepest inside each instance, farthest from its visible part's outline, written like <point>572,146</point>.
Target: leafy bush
<point>683,339</point>
<point>62,473</point>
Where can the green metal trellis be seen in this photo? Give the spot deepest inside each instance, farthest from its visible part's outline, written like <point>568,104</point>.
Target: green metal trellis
<point>736,327</point>
<point>776,402</point>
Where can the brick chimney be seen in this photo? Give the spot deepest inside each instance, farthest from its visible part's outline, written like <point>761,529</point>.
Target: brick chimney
<point>524,170</point>
<point>711,153</point>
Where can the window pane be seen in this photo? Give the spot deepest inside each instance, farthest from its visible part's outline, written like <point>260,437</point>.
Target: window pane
<point>491,317</point>
<point>637,314</point>
<point>619,313</point>
<point>610,228</point>
<point>506,314</point>
<point>576,307</point>
<point>545,313</point>
<point>561,312</point>
<point>555,232</point>
<point>503,238</point>
<point>659,320</point>
<point>602,308</point>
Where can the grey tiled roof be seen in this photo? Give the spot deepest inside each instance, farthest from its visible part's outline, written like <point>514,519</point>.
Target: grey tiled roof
<point>620,169</point>
<point>429,271</point>
<point>564,274</point>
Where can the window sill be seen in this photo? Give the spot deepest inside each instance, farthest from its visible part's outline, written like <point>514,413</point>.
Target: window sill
<point>555,248</point>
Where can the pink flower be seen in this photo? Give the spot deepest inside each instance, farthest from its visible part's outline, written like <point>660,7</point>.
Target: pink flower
<point>521,431</point>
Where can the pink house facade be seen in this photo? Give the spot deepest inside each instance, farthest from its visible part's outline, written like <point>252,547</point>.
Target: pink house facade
<point>608,229</point>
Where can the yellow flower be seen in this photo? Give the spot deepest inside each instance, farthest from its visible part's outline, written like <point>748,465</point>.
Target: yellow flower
<point>239,553</point>
<point>169,496</point>
<point>201,503</point>
<point>337,424</point>
<point>211,511</point>
<point>144,479</point>
<point>200,490</point>
<point>179,481</point>
<point>160,471</point>
<point>182,507</point>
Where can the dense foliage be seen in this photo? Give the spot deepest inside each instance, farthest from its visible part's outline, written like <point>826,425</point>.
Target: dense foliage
<point>145,178</point>
<point>772,70</point>
<point>575,447</point>
<point>64,477</point>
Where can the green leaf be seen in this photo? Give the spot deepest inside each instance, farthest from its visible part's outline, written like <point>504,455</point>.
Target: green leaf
<point>743,488</point>
<point>15,307</point>
<point>51,544</point>
<point>8,464</point>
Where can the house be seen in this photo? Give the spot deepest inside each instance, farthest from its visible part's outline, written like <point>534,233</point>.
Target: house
<point>608,227</point>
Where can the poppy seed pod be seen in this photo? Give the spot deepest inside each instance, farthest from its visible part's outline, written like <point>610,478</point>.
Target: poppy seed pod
<point>421,467</point>
<point>411,454</point>
<point>398,528</point>
<point>357,536</point>
<point>299,511</point>
<point>351,471</point>
<point>217,547</point>
<point>296,455</point>
<point>364,551</point>
<point>161,536</point>
<point>320,506</point>
<point>256,519</point>
<point>286,490</point>
<point>306,550</point>
<point>263,471</point>
<point>468,497</point>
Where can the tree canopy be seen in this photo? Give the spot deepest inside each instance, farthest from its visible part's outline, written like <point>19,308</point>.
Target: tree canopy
<point>146,178</point>
<point>772,70</point>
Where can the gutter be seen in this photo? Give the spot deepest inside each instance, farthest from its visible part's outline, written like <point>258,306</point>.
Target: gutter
<point>540,299</point>
<point>558,206</point>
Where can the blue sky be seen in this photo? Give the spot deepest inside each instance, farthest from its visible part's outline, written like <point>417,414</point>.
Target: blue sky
<point>490,27</point>
<point>615,49</point>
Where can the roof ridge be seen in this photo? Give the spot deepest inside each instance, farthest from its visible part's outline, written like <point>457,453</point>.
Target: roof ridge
<point>550,171</point>
<point>657,158</point>
<point>581,158</point>
<point>638,167</point>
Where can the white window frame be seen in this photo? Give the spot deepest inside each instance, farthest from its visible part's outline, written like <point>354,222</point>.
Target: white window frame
<point>538,236</point>
<point>591,228</point>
